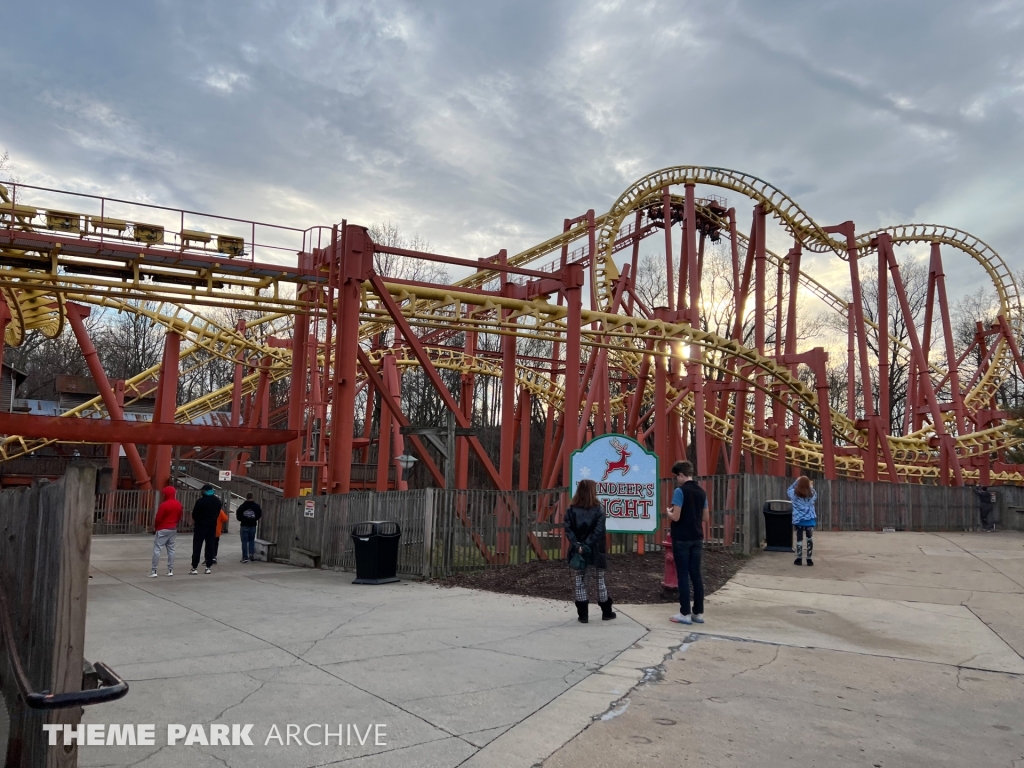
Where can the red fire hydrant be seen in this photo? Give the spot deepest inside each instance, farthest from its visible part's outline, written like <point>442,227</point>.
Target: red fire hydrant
<point>670,581</point>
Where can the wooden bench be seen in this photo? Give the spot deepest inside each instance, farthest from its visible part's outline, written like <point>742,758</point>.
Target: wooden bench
<point>304,558</point>
<point>264,550</point>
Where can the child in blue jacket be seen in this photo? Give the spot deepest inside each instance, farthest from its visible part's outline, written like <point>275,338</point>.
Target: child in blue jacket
<point>803,496</point>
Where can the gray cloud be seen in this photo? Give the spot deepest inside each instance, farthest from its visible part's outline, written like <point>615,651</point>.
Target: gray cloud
<point>483,125</point>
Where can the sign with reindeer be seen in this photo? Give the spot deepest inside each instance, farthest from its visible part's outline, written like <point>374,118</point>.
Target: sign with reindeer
<point>626,474</point>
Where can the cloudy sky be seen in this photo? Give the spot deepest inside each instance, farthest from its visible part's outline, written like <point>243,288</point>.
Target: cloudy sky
<point>481,125</point>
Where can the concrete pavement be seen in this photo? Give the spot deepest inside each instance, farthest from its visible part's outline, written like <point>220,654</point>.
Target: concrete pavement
<point>452,673</point>
<point>898,649</point>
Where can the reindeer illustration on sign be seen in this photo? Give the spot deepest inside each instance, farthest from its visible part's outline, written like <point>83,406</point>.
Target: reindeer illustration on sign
<point>621,464</point>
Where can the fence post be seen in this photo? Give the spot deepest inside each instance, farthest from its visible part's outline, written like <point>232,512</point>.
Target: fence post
<point>748,525</point>
<point>526,508</point>
<point>428,533</point>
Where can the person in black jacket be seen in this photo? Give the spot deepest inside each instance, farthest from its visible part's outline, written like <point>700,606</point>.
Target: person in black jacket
<point>248,515</point>
<point>585,530</point>
<point>986,506</point>
<point>204,520</point>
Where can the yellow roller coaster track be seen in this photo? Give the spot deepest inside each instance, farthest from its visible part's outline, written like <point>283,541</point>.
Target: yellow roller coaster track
<point>37,300</point>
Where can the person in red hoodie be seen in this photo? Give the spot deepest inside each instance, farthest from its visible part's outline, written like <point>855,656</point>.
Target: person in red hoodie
<point>168,514</point>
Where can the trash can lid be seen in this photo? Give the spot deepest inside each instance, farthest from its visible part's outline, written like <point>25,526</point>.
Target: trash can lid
<point>778,505</point>
<point>376,528</point>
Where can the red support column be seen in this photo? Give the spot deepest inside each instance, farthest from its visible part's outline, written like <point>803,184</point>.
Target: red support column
<point>466,396</point>
<point>661,432</point>
<point>356,266</point>
<point>760,259</point>
<point>884,404</point>
<point>384,461</point>
<point>572,280</point>
<point>75,314</point>
<point>857,307</point>
<point>947,336</point>
<point>508,390</point>
<point>394,386</point>
<point>5,318</point>
<point>851,366</point>
<point>236,393</point>
<point>168,405</point>
<point>946,442</point>
<point>525,419</point>
<point>700,427</point>
<point>819,360</point>
<point>666,203</point>
<point>692,258</point>
<point>114,453</point>
<point>297,405</point>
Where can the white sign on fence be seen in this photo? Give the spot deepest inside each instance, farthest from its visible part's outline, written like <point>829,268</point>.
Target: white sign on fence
<point>224,476</point>
<point>626,474</point>
<point>310,509</point>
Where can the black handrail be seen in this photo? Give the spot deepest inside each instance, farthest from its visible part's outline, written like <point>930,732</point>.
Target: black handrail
<point>113,686</point>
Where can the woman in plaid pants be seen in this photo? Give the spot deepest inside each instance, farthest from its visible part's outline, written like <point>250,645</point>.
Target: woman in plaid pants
<point>584,528</point>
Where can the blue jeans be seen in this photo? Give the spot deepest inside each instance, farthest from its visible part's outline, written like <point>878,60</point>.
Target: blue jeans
<point>687,557</point>
<point>248,534</point>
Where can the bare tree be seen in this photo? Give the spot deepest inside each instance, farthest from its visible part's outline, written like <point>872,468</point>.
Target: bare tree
<point>129,343</point>
<point>404,267</point>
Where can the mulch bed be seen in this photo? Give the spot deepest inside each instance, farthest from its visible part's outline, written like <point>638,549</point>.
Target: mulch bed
<point>631,578</point>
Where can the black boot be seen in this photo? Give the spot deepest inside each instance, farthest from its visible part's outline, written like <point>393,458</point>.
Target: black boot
<point>606,610</point>
<point>581,609</point>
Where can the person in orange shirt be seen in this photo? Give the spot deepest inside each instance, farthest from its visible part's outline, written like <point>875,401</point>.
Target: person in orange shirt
<point>222,519</point>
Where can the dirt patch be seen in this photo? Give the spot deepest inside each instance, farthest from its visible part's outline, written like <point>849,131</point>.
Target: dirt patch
<point>631,578</point>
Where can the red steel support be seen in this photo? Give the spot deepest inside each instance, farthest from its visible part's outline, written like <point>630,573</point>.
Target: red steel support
<point>508,391</point>
<point>525,420</point>
<point>5,318</point>
<point>946,442</point>
<point>428,368</point>
<point>670,283</point>
<point>572,280</point>
<point>355,267</point>
<point>396,412</point>
<point>76,314</point>
<point>168,404</point>
<point>296,406</point>
<point>692,266</point>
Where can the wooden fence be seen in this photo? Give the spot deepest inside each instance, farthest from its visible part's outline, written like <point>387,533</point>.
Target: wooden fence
<point>452,531</point>
<point>44,575</point>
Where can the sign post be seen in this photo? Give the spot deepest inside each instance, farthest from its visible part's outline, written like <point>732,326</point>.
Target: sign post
<point>626,474</point>
<point>224,476</point>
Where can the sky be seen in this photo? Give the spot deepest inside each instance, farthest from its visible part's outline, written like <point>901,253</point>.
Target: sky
<point>482,125</point>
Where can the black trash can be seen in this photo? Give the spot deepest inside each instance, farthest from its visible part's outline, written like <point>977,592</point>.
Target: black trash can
<point>376,546</point>
<point>778,525</point>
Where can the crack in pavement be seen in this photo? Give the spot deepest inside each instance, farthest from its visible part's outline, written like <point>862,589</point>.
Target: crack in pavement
<point>980,560</point>
<point>993,630</point>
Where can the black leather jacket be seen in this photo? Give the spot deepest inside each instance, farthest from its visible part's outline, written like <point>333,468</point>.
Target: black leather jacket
<point>586,526</point>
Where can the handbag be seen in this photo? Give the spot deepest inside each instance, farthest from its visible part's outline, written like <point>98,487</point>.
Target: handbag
<point>578,561</point>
